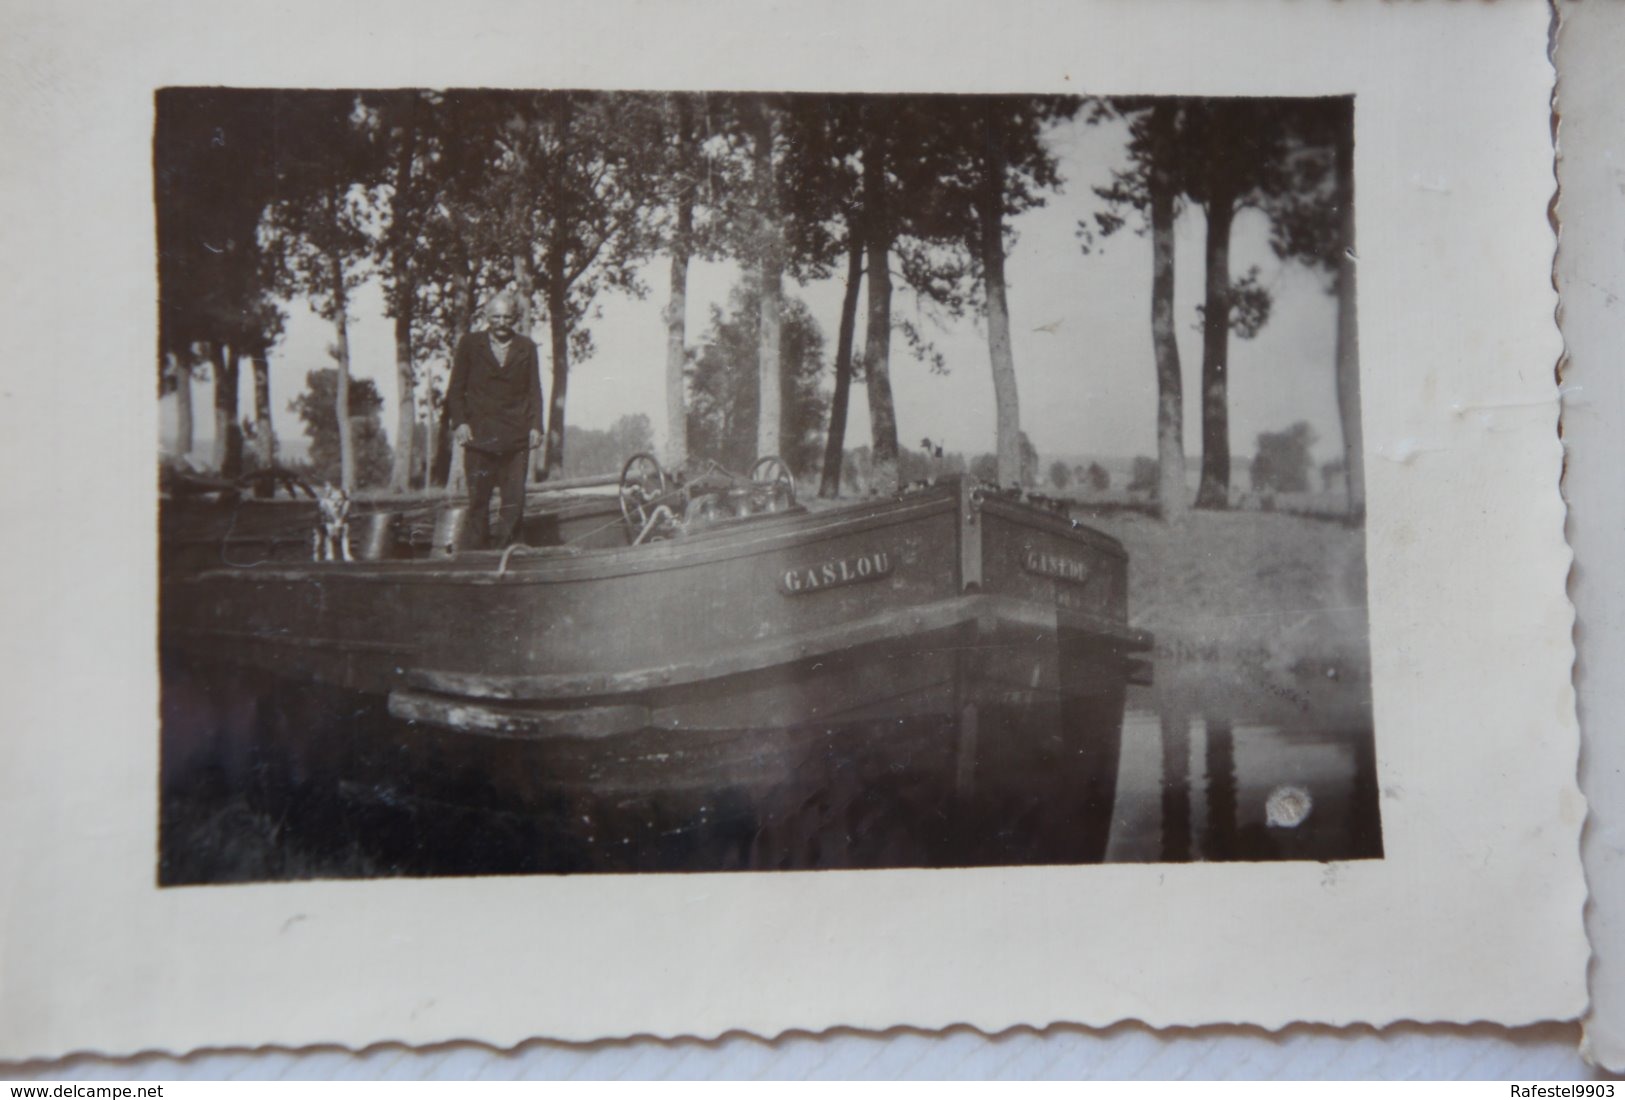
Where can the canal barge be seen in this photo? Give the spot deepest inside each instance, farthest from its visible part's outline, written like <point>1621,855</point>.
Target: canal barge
<point>665,609</point>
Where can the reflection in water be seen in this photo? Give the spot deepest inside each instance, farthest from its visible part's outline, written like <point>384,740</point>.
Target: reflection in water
<point>1200,784</point>
<point>1221,791</point>
<point>266,781</point>
<point>1174,780</point>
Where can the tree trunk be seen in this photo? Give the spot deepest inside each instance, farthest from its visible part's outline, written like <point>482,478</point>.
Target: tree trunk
<point>225,403</point>
<point>1174,721</point>
<point>835,441</point>
<point>400,473</point>
<point>264,437</point>
<point>1219,843</point>
<point>341,359</point>
<point>769,243</point>
<point>522,263</point>
<point>228,434</point>
<point>557,290</point>
<point>676,362</point>
<point>877,372</point>
<point>1164,341</point>
<point>402,294</point>
<point>431,447</point>
<point>1214,491</point>
<point>1006,400</point>
<point>558,330</point>
<point>524,290</point>
<point>448,468</point>
<point>1348,332</point>
<point>233,465</point>
<point>677,307</point>
<point>182,369</point>
<point>877,349</point>
<point>448,459</point>
<point>770,391</point>
<point>677,322</point>
<point>462,297</point>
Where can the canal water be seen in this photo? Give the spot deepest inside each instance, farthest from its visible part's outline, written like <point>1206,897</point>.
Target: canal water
<point>1223,763</point>
<point>266,782</point>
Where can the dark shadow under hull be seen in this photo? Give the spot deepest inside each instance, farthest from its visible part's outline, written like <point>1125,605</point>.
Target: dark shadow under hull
<point>267,779</point>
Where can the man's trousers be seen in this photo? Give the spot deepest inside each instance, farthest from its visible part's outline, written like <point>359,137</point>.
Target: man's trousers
<point>504,473</point>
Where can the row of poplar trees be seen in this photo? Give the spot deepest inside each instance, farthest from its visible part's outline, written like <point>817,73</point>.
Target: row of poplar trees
<point>265,197</point>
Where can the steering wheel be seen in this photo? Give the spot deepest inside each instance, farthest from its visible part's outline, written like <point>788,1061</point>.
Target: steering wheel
<point>643,484</point>
<point>772,474</point>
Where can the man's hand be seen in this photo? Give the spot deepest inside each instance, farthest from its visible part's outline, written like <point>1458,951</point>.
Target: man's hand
<point>464,434</point>
<point>535,439</point>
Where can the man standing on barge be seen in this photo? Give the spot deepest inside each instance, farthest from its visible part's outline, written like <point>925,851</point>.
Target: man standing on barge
<point>495,404</point>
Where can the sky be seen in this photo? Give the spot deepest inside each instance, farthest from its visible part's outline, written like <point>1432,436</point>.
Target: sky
<point>1081,337</point>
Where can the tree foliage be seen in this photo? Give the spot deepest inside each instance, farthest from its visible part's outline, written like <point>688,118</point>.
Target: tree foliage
<point>1209,150</point>
<point>317,406</point>
<point>572,183</point>
<point>1000,167</point>
<point>217,286</point>
<point>985,467</point>
<point>589,451</point>
<point>723,379</point>
<point>1223,155</point>
<point>213,177</point>
<point>1306,213</point>
<point>1282,462</point>
<point>319,215</point>
<point>1143,475</point>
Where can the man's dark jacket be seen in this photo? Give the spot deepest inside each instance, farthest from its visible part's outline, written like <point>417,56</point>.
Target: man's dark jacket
<point>501,403</point>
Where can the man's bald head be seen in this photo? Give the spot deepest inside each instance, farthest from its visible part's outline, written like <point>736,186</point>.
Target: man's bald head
<point>502,312</point>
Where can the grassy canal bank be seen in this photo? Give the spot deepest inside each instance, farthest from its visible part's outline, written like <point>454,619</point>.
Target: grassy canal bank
<point>1281,592</point>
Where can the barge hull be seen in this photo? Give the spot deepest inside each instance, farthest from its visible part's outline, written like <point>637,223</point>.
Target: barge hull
<point>792,618</point>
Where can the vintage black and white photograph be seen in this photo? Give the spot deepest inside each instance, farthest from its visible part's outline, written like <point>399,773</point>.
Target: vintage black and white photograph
<point>607,481</point>
<point>733,521</point>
